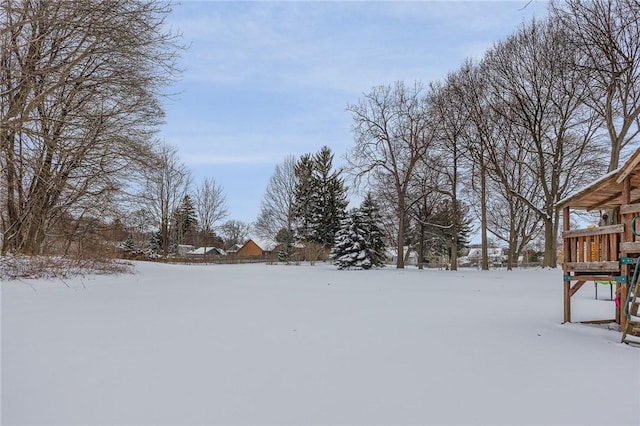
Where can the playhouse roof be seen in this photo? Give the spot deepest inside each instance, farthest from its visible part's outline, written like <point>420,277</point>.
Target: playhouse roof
<point>607,192</point>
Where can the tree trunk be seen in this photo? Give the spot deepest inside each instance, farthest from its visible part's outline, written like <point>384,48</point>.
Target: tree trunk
<point>512,245</point>
<point>400,243</point>
<point>483,219</point>
<point>421,253</point>
<point>549,243</point>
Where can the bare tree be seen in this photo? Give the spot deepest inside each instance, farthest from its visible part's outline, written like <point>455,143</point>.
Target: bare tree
<point>534,85</point>
<point>607,34</point>
<point>79,89</point>
<point>391,129</point>
<point>452,119</point>
<point>234,232</point>
<point>497,152</point>
<point>470,89</point>
<point>211,206</point>
<point>424,199</point>
<point>276,210</point>
<point>167,181</point>
<point>510,182</point>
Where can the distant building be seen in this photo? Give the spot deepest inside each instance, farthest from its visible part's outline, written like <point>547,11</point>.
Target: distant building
<point>495,255</point>
<point>209,251</point>
<point>248,249</point>
<point>410,259</point>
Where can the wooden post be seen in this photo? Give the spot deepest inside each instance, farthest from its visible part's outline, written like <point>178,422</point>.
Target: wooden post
<point>625,270</point>
<point>620,311</point>
<point>567,301</point>
<point>566,224</point>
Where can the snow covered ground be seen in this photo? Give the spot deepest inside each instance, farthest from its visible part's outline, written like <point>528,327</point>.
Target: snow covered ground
<point>277,344</point>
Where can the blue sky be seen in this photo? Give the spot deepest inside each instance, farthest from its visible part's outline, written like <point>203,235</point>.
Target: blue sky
<point>263,80</point>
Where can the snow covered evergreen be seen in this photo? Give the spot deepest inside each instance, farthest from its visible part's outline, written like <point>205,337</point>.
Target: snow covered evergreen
<point>358,242</point>
<point>373,227</point>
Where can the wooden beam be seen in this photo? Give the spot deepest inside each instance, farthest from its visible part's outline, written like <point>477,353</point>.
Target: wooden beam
<point>617,309</point>
<point>567,301</point>
<point>631,164</point>
<point>630,208</point>
<point>593,278</point>
<point>574,289</point>
<point>600,230</point>
<point>608,266</point>
<point>607,200</point>
<point>630,247</point>
<point>626,191</point>
<point>623,318</point>
<point>603,321</point>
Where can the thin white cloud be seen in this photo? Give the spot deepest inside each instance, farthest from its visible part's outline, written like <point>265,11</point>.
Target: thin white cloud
<point>201,159</point>
<point>324,45</point>
<point>267,79</point>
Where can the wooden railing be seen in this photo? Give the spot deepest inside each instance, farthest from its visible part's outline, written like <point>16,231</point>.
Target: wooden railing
<point>593,249</point>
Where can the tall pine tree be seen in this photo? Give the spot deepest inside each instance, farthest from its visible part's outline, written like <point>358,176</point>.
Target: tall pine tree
<point>330,199</point>
<point>304,197</point>
<point>320,198</point>
<point>184,219</point>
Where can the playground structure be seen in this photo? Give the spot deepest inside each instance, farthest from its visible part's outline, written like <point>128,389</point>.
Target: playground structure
<point>607,253</point>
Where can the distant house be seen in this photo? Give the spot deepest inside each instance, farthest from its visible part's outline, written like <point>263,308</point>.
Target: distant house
<point>392,256</point>
<point>209,251</point>
<point>495,254</point>
<point>248,249</point>
<point>234,248</point>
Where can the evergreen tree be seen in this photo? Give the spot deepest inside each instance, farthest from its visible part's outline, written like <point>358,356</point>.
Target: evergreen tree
<point>330,199</point>
<point>320,198</point>
<point>358,242</point>
<point>286,240</point>
<point>303,197</point>
<point>434,229</point>
<point>184,219</point>
<point>155,242</point>
<point>372,223</point>
<point>350,248</point>
<point>444,216</point>
<point>129,245</point>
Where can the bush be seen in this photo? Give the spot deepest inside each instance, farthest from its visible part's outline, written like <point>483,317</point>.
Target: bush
<point>31,267</point>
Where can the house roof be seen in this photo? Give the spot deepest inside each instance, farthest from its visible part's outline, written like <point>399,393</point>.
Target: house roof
<point>237,247</point>
<point>607,192</point>
<point>207,250</point>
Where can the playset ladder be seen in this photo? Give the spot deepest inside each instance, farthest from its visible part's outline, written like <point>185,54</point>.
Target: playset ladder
<point>631,303</point>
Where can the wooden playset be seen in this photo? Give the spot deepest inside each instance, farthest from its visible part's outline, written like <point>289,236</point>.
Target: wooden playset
<point>608,253</point>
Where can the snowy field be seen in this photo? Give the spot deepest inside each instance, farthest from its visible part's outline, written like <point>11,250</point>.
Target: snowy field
<point>277,344</point>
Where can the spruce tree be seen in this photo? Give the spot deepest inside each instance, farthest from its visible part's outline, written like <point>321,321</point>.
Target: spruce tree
<point>304,197</point>
<point>330,199</point>
<point>358,242</point>
<point>350,248</point>
<point>372,223</point>
<point>320,198</point>
<point>184,218</point>
<point>286,240</point>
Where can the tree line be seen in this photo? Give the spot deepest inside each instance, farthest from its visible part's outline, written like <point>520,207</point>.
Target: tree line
<point>81,85</point>
<point>499,140</point>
